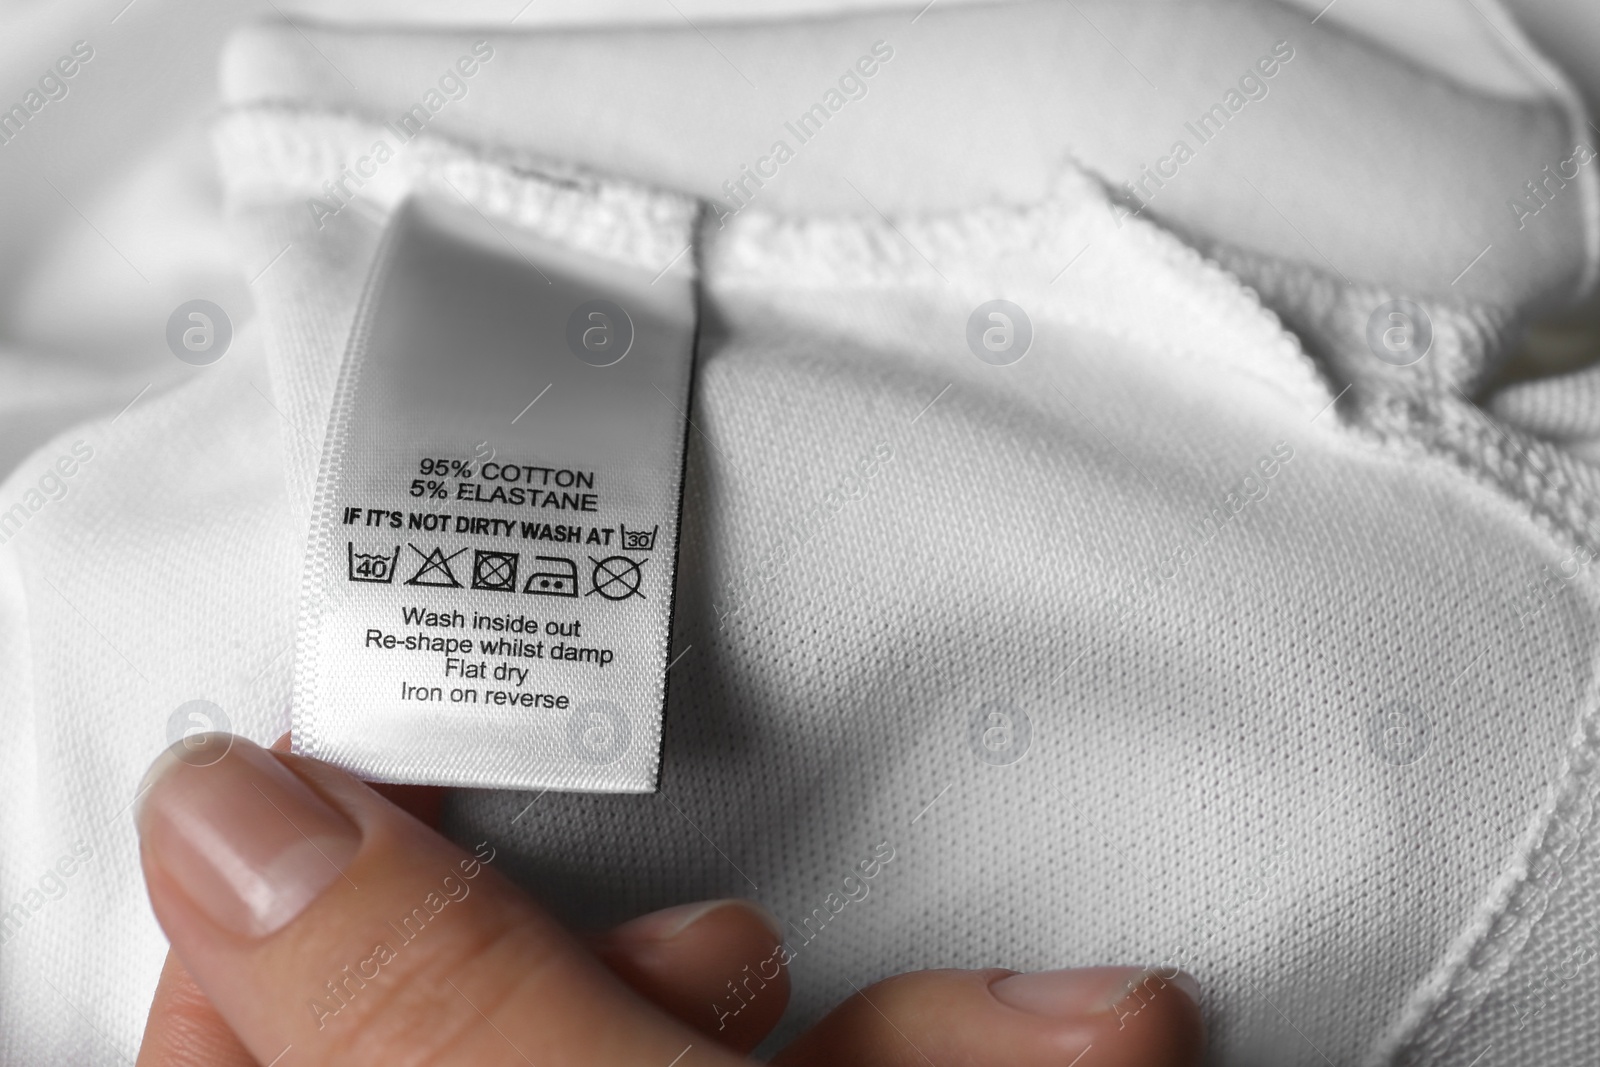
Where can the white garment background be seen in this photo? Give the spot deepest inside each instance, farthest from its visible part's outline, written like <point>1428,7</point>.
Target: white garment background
<point>1200,787</point>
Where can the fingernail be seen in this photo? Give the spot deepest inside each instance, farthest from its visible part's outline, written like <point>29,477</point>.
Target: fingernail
<point>244,837</point>
<point>1073,994</point>
<point>671,922</point>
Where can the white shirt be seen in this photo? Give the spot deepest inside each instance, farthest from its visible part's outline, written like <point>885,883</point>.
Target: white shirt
<point>1232,570</point>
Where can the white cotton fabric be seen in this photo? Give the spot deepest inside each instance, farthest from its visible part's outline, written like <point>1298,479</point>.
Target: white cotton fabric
<point>1201,656</point>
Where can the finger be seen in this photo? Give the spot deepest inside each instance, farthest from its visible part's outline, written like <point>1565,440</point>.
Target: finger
<point>184,1030</point>
<point>1130,1018</point>
<point>712,965</point>
<point>686,960</point>
<point>182,1027</point>
<point>317,916</point>
<point>682,959</point>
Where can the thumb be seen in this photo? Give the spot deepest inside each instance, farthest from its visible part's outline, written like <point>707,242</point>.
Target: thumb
<point>1125,1016</point>
<point>319,917</point>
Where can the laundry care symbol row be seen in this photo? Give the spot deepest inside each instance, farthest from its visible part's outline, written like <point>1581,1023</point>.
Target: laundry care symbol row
<point>613,578</point>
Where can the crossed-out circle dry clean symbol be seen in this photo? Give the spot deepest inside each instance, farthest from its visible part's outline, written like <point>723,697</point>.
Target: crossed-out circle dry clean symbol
<point>617,577</point>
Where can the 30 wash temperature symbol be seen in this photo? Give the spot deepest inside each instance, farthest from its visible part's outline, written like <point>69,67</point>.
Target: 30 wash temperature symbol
<point>637,540</point>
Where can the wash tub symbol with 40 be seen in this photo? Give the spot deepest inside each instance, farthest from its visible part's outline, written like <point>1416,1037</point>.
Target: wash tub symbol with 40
<point>371,567</point>
<point>637,540</point>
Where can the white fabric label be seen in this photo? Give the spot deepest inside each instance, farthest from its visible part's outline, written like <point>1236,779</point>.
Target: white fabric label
<point>489,580</point>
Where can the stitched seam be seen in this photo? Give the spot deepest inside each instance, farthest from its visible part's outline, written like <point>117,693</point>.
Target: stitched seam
<point>273,154</point>
<point>1221,320</point>
<point>1560,495</point>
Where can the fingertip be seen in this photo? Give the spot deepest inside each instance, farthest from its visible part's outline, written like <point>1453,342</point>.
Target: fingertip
<point>670,922</point>
<point>716,965</point>
<point>239,838</point>
<point>1141,1016</point>
<point>1129,1017</point>
<point>308,908</point>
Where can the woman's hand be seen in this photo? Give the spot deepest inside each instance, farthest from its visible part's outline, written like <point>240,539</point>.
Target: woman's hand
<point>326,925</point>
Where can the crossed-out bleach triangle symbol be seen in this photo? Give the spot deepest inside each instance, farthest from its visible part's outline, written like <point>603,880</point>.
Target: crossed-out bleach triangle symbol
<point>435,569</point>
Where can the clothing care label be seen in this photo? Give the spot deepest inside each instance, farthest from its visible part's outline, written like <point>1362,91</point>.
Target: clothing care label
<point>489,581</point>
